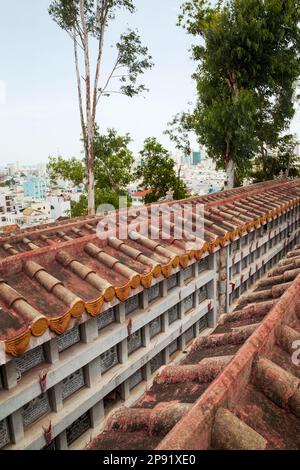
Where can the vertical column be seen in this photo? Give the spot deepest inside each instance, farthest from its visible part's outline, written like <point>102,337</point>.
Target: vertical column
<point>16,426</point>
<point>89,331</point>
<point>10,374</point>
<point>125,390</point>
<point>92,372</point>
<point>97,414</point>
<point>163,288</point>
<point>61,441</point>
<point>164,322</point>
<point>146,371</point>
<point>51,351</point>
<point>166,355</point>
<point>146,335</point>
<point>144,299</point>
<point>55,396</point>
<point>123,351</point>
<point>120,313</point>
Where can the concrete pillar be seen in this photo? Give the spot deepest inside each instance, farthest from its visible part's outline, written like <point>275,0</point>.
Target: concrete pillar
<point>163,287</point>
<point>55,396</point>
<point>180,278</point>
<point>123,352</point>
<point>196,329</point>
<point>92,372</point>
<point>196,299</point>
<point>144,299</point>
<point>181,342</point>
<point>61,441</point>
<point>51,351</point>
<point>16,426</point>
<point>125,390</point>
<point>120,313</point>
<point>164,322</point>
<point>196,269</point>
<point>166,355</point>
<point>180,310</point>
<point>146,335</point>
<point>89,331</point>
<point>97,414</point>
<point>146,372</point>
<point>10,375</point>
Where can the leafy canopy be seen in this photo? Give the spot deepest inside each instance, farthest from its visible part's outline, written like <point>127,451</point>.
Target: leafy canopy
<point>157,172</point>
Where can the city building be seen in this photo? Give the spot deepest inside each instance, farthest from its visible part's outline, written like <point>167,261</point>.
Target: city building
<point>85,323</point>
<point>35,187</point>
<point>138,197</point>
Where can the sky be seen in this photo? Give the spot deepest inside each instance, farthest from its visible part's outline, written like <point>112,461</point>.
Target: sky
<point>38,96</point>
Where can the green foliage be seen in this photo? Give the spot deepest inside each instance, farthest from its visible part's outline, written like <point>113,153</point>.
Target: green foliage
<point>277,161</point>
<point>72,170</point>
<point>158,172</point>
<point>113,161</point>
<point>178,131</point>
<point>248,63</point>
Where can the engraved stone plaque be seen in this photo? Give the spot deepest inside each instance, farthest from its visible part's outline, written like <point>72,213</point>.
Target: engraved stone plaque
<point>172,281</point>
<point>68,338</point>
<point>30,359</point>
<point>155,327</point>
<point>106,318</point>
<point>202,294</point>
<point>188,303</point>
<point>109,359</point>
<point>173,346</point>
<point>73,382</point>
<point>36,408</point>
<point>188,273</point>
<point>156,362</point>
<point>202,265</point>
<point>76,429</point>
<point>203,323</point>
<point>4,433</point>
<point>189,334</point>
<point>173,314</point>
<point>135,379</point>
<point>153,292</point>
<point>134,341</point>
<point>131,304</point>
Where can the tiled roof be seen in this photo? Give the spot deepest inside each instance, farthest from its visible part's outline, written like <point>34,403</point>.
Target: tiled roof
<point>53,273</point>
<point>236,389</point>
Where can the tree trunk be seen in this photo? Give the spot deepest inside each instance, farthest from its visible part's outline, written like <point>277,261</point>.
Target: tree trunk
<point>230,174</point>
<point>89,119</point>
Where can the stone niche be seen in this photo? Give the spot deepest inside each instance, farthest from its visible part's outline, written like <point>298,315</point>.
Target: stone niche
<point>80,426</point>
<point>72,383</point>
<point>30,359</point>
<point>202,294</point>
<point>132,304</point>
<point>153,292</point>
<point>156,362</point>
<point>35,409</point>
<point>172,281</point>
<point>188,303</point>
<point>173,347</point>
<point>106,318</point>
<point>134,341</point>
<point>188,273</point>
<point>189,334</point>
<point>68,338</point>
<point>155,327</point>
<point>173,314</point>
<point>135,379</point>
<point>4,433</point>
<point>109,359</point>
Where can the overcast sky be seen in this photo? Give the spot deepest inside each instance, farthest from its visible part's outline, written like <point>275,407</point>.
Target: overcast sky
<point>39,116</point>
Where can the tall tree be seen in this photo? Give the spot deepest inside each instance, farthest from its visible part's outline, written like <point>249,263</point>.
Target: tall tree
<point>248,62</point>
<point>113,162</point>
<point>157,172</point>
<point>85,20</point>
<point>279,160</point>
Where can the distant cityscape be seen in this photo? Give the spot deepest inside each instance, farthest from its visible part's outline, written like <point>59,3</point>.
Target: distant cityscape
<point>28,198</point>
